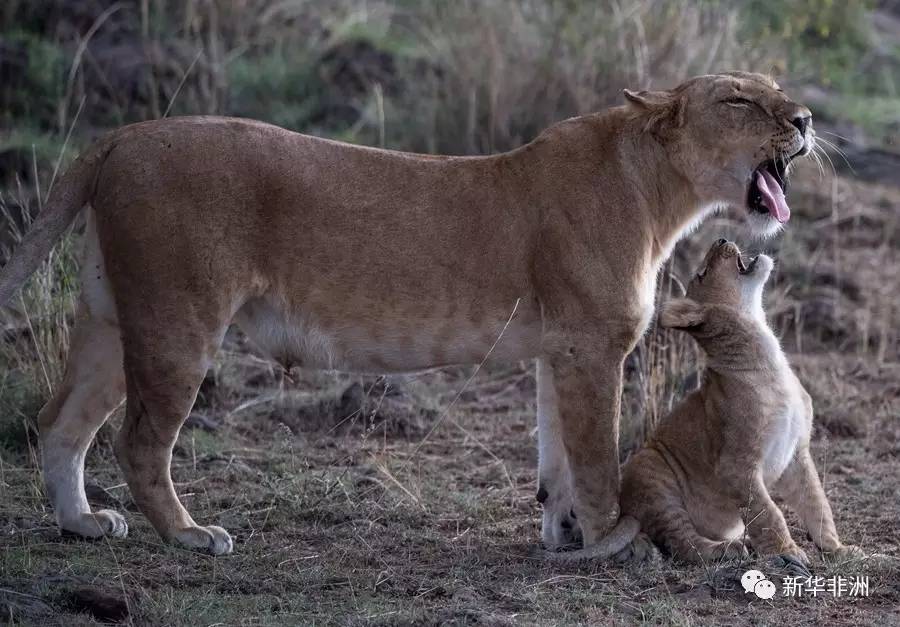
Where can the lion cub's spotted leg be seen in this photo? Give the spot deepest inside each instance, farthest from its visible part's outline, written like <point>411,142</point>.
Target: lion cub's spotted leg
<point>673,527</point>
<point>93,386</point>
<point>164,369</point>
<point>651,493</point>
<point>766,526</point>
<point>802,490</point>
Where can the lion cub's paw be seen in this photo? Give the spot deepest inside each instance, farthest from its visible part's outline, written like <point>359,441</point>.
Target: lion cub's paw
<point>213,539</point>
<point>727,550</point>
<point>844,553</point>
<point>638,551</point>
<point>104,522</point>
<point>795,562</point>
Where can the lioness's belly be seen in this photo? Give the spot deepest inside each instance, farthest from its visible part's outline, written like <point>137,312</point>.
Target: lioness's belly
<point>361,342</point>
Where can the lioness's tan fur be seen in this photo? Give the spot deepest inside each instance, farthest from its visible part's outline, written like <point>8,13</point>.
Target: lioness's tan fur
<point>337,256</point>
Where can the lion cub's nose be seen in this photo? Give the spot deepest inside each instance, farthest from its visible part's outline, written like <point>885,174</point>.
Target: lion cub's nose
<point>728,249</point>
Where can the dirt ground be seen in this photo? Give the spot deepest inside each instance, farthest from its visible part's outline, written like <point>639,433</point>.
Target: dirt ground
<point>346,508</point>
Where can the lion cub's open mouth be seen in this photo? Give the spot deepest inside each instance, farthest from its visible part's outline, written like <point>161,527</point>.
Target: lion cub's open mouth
<point>767,187</point>
<point>746,268</point>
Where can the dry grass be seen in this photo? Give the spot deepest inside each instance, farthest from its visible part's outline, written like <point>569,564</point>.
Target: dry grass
<point>452,77</point>
<point>344,509</point>
<point>340,518</point>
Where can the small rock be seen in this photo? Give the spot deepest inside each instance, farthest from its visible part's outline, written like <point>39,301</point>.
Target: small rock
<point>104,605</point>
<point>199,421</point>
<point>98,495</point>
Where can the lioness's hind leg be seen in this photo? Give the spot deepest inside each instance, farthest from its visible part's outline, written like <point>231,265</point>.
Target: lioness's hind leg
<point>93,386</point>
<point>163,371</point>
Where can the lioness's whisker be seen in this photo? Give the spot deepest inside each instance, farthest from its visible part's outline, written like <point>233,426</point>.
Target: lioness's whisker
<point>846,139</point>
<point>815,157</point>
<point>840,152</point>
<point>827,156</point>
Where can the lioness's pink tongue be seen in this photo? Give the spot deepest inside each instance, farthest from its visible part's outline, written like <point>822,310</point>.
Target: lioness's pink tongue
<point>772,196</point>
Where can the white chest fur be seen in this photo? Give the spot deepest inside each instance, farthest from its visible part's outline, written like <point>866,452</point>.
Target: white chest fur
<point>785,431</point>
<point>790,423</point>
<point>647,298</point>
<point>647,287</point>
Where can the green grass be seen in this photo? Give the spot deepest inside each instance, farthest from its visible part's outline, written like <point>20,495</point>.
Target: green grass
<point>879,116</point>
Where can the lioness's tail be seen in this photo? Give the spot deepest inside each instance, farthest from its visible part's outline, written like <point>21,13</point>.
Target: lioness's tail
<point>624,532</point>
<point>73,190</point>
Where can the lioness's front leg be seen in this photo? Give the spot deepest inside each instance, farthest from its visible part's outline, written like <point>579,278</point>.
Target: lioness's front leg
<point>558,526</point>
<point>589,388</point>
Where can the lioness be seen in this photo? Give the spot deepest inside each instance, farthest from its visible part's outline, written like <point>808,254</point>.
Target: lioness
<point>709,467</point>
<point>336,256</point>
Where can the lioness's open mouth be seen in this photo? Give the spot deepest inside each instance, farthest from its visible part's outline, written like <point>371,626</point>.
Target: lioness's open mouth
<point>767,186</point>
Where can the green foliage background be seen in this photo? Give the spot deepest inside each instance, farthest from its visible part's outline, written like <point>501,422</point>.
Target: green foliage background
<point>464,76</point>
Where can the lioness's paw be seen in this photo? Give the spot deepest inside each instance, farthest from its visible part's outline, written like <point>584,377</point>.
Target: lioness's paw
<point>213,539</point>
<point>104,522</point>
<point>559,527</point>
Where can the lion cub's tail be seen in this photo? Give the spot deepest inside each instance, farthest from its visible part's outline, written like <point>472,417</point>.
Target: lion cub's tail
<point>73,190</point>
<point>622,534</point>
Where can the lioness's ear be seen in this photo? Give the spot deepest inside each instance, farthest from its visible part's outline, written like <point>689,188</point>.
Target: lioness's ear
<point>664,108</point>
<point>682,313</point>
<point>648,99</point>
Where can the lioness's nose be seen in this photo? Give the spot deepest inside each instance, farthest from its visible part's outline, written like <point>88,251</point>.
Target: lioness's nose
<point>802,123</point>
<point>800,117</point>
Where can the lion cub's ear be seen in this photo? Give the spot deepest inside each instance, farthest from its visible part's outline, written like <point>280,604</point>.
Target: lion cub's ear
<point>682,313</point>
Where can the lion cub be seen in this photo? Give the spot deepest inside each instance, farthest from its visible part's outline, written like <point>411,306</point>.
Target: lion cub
<point>707,472</point>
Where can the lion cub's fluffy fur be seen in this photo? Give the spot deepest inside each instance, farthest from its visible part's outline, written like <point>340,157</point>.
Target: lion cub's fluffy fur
<point>705,475</point>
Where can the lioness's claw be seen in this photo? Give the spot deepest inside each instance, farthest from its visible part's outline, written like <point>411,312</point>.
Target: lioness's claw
<point>112,523</point>
<point>104,522</point>
<point>212,539</point>
<point>559,528</point>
